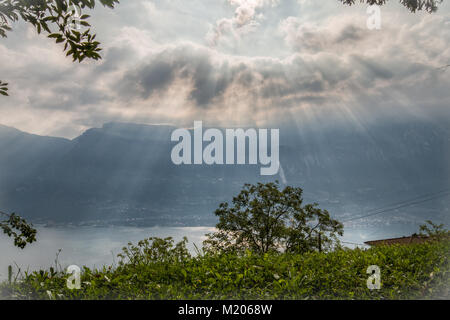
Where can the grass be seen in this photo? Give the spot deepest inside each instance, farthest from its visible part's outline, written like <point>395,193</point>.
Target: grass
<point>163,271</point>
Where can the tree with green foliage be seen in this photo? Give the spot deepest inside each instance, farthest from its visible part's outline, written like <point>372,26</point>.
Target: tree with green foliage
<point>263,218</point>
<point>58,19</point>
<point>412,5</point>
<point>17,228</point>
<point>434,231</point>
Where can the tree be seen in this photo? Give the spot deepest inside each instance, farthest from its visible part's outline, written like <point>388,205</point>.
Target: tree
<point>434,231</point>
<point>264,218</point>
<point>16,227</point>
<point>412,5</point>
<point>60,20</point>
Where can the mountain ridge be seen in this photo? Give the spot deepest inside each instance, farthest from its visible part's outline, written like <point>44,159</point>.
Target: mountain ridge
<point>123,171</point>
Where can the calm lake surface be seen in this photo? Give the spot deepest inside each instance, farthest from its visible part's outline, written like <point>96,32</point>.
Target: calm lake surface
<point>90,246</point>
<point>98,246</point>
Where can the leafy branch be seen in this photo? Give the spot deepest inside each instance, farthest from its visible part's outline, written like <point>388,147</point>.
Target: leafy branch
<point>58,19</point>
<point>429,6</point>
<point>18,228</point>
<point>3,88</point>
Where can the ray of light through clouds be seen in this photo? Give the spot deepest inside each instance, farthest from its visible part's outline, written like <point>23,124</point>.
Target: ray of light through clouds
<point>233,62</point>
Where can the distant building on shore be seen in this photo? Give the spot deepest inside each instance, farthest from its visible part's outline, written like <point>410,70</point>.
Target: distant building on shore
<point>415,238</point>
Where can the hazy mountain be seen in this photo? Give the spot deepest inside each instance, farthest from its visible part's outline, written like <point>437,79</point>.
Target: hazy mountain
<point>123,171</point>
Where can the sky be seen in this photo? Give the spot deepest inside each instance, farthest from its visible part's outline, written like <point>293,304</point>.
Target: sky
<point>229,63</point>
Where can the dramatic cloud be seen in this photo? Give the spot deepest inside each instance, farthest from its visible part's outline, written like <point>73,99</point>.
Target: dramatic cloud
<point>313,38</point>
<point>247,17</point>
<point>157,71</point>
<point>332,63</point>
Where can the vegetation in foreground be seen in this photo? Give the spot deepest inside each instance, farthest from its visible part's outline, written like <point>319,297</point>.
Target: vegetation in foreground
<point>159,269</point>
<point>268,245</point>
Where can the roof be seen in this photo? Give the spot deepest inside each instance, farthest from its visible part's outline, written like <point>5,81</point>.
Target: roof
<point>403,240</point>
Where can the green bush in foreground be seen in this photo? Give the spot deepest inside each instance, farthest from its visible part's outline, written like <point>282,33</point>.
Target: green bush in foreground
<point>158,269</point>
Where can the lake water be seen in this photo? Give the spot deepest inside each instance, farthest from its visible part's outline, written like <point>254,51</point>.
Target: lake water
<point>96,247</point>
<point>90,246</point>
